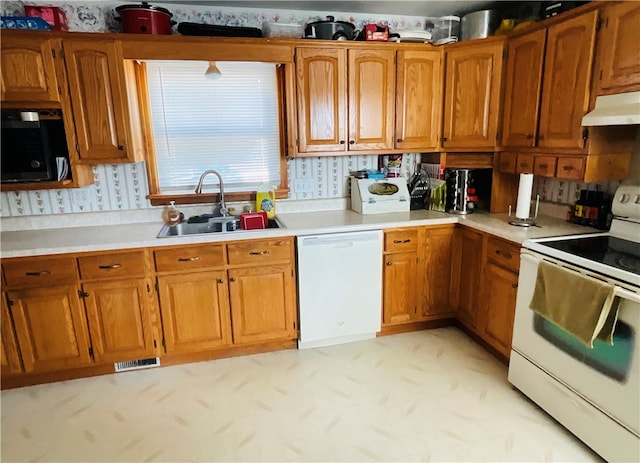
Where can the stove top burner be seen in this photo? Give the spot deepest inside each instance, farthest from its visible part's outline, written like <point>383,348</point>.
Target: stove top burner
<point>607,250</point>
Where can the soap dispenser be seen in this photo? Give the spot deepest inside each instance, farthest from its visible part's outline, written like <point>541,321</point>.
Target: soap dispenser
<point>172,216</point>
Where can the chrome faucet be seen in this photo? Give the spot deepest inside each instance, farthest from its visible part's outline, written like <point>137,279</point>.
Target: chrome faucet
<point>198,190</point>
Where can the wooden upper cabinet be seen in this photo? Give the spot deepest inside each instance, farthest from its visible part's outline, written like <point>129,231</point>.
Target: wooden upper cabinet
<point>321,83</point>
<point>28,70</point>
<point>472,96</point>
<point>522,91</point>
<point>418,99</point>
<point>618,58</point>
<point>565,87</point>
<point>371,99</point>
<point>98,95</point>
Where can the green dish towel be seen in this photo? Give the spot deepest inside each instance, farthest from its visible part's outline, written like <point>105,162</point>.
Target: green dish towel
<point>579,304</point>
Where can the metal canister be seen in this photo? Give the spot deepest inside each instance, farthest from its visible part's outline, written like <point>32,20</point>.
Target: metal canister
<point>479,24</point>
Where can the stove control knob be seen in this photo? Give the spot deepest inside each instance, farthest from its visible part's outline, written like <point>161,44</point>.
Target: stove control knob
<point>624,198</point>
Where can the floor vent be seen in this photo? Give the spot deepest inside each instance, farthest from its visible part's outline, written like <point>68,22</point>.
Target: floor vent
<point>137,364</point>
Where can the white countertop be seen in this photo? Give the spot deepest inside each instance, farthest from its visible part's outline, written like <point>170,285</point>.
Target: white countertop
<point>139,235</point>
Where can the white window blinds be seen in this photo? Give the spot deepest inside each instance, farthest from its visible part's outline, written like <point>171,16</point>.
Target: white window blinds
<point>229,124</point>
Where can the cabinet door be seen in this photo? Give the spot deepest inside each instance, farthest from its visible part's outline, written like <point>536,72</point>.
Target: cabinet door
<point>195,311</point>
<point>119,320</point>
<point>28,70</point>
<point>437,268</point>
<point>98,96</point>
<point>51,328</point>
<point>619,54</point>
<point>263,303</point>
<point>522,94</point>
<point>372,83</point>
<point>321,78</point>
<point>465,275</point>
<point>11,364</point>
<point>565,87</point>
<point>472,96</point>
<point>418,99</point>
<point>399,287</point>
<point>496,324</point>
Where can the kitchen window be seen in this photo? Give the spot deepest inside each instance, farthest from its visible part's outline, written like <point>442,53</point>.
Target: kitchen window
<point>232,124</point>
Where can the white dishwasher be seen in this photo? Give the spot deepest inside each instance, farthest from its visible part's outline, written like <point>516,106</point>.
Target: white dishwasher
<point>339,287</point>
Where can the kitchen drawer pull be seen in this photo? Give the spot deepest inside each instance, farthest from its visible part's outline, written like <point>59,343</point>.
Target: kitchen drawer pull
<point>506,255</point>
<point>399,140</point>
<point>529,137</point>
<point>543,166</point>
<point>514,285</point>
<point>389,263</point>
<point>188,259</point>
<point>402,241</point>
<point>232,279</point>
<point>38,274</point>
<point>220,280</point>
<point>524,164</point>
<point>342,142</point>
<point>567,167</point>
<point>258,253</point>
<point>352,142</point>
<point>109,267</point>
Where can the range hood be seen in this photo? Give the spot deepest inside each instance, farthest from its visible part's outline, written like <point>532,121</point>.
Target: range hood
<point>620,109</point>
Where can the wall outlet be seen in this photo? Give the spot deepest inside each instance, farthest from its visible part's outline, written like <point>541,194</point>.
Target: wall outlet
<point>303,185</point>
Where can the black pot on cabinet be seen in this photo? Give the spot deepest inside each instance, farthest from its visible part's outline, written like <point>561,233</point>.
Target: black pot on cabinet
<point>330,30</point>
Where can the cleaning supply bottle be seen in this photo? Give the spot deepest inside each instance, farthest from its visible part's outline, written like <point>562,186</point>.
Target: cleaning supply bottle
<point>266,200</point>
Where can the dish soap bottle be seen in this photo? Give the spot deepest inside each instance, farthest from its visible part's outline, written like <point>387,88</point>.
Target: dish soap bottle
<point>266,200</point>
<point>172,216</point>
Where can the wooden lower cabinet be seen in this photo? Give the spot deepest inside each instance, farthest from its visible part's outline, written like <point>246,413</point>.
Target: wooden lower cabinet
<point>119,317</point>
<point>195,311</point>
<point>496,320</point>
<point>51,328</point>
<point>437,257</point>
<point>262,303</point>
<point>466,275</point>
<point>11,363</point>
<point>399,287</point>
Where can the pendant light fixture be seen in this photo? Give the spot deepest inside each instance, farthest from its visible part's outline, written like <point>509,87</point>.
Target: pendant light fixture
<point>212,72</point>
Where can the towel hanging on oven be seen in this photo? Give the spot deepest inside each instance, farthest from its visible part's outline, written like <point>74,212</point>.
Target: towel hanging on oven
<point>581,305</point>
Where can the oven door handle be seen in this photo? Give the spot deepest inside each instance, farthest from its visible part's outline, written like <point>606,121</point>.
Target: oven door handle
<point>624,294</point>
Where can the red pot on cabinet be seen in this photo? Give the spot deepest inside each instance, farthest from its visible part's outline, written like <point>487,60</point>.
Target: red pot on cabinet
<point>145,19</point>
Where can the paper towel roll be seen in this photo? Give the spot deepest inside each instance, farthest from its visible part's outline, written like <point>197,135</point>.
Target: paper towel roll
<point>525,188</point>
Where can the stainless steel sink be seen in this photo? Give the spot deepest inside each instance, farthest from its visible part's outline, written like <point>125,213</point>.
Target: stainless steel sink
<point>213,225</point>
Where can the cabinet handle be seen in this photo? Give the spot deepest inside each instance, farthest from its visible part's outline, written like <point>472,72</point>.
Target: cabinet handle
<point>352,142</point>
<point>402,241</point>
<point>121,147</point>
<point>514,285</point>
<point>543,166</point>
<point>220,280</point>
<point>445,139</point>
<point>566,168</point>
<point>399,140</point>
<point>188,259</point>
<point>109,267</point>
<point>38,274</point>
<point>506,255</point>
<point>232,279</point>
<point>524,164</point>
<point>529,137</point>
<point>258,253</point>
<point>389,263</point>
<point>342,142</point>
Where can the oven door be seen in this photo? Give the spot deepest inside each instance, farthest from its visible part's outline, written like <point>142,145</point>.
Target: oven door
<point>606,376</point>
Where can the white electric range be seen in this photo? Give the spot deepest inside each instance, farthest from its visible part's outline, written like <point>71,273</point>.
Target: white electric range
<point>593,392</point>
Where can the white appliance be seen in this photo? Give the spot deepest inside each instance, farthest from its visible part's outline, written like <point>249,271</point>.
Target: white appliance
<point>377,196</point>
<point>593,392</point>
<point>339,287</point>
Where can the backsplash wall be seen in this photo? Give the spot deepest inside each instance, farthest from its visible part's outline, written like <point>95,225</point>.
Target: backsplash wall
<point>124,186</point>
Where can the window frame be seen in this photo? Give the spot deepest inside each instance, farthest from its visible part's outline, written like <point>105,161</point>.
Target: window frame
<point>283,76</point>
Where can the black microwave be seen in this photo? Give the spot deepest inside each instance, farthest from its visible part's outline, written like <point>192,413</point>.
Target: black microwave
<point>30,147</point>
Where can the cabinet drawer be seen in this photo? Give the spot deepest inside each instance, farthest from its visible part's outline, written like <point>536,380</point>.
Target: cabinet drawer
<point>507,163</point>
<point>504,254</point>
<point>123,264</point>
<point>400,240</point>
<point>545,166</point>
<point>524,165</point>
<point>189,257</point>
<point>39,272</point>
<point>571,168</point>
<point>259,251</point>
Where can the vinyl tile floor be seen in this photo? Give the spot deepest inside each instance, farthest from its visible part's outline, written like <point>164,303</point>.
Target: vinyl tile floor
<point>424,396</point>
